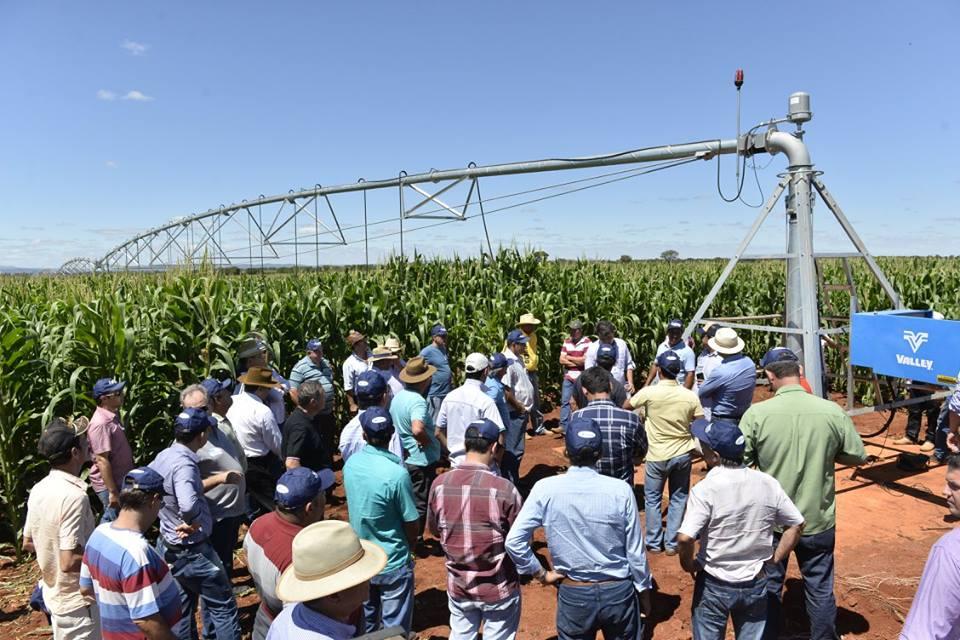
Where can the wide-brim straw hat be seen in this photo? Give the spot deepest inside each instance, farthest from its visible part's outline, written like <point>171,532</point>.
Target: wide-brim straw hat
<point>328,558</point>
<point>258,377</point>
<point>417,370</point>
<point>381,353</point>
<point>394,345</point>
<point>528,318</point>
<point>726,342</point>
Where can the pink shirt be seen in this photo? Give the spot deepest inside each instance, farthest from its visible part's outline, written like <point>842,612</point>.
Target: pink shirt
<point>106,435</point>
<point>577,350</point>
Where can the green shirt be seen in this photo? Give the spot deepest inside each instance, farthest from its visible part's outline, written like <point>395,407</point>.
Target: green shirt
<point>406,407</point>
<point>796,437</point>
<point>380,502</point>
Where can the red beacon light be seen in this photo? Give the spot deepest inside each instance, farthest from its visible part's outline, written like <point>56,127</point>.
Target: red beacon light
<point>738,78</point>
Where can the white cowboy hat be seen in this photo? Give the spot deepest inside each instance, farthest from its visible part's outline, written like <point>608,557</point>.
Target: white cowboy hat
<point>726,342</point>
<point>328,558</point>
<point>528,318</point>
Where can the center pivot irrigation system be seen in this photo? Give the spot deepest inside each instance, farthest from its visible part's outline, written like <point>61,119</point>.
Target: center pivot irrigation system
<point>264,229</point>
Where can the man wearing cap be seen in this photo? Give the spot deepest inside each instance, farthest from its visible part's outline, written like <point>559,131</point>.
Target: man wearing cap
<point>328,579</point>
<point>519,395</point>
<point>572,358</point>
<point>606,359</point>
<point>623,367</point>
<point>109,447</point>
<point>413,422</point>
<point>355,364</point>
<point>668,410</point>
<point>783,353</point>
<point>382,361</point>
<point>437,357</point>
<point>688,360</point>
<point>495,385</point>
<point>729,389</point>
<point>471,511</point>
<point>734,512</point>
<point>59,523</point>
<point>303,439</point>
<point>465,404</point>
<point>256,428</point>
<point>371,391</point>
<point>382,510</point>
<point>314,366</point>
<point>137,597</point>
<point>185,526</point>
<point>798,439</point>
<point>528,324</point>
<point>268,544</point>
<point>621,430</point>
<point>220,397</point>
<point>595,541</point>
<point>254,352</point>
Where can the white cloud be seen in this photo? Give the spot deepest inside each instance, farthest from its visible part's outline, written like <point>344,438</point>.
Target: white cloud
<point>111,164</point>
<point>105,94</point>
<point>137,96</point>
<point>134,48</point>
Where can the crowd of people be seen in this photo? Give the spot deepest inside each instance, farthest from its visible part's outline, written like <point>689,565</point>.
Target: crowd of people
<point>422,455</point>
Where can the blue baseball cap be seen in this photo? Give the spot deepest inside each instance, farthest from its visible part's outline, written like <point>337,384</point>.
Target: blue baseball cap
<point>438,330</point>
<point>607,352</point>
<point>376,421</point>
<point>192,420</point>
<point>214,386</point>
<point>670,362</point>
<point>498,361</point>
<point>106,386</point>
<point>582,434</point>
<point>778,354</point>
<point>517,337</point>
<point>314,345</point>
<point>370,385</point>
<point>483,428</point>
<point>674,324</point>
<point>144,479</point>
<point>723,437</point>
<point>300,486</point>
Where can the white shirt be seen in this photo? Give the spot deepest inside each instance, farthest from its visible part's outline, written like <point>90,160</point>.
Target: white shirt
<point>353,367</point>
<point>351,439</point>
<point>620,367</point>
<point>254,425</point>
<point>518,380</point>
<point>462,406</point>
<point>735,512</point>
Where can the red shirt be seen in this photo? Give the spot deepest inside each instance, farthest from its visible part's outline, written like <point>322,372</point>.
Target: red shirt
<point>577,350</point>
<point>471,510</point>
<point>269,549</point>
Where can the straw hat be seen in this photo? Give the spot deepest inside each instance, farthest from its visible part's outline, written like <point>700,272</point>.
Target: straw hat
<point>354,337</point>
<point>258,377</point>
<point>328,558</point>
<point>417,370</point>
<point>528,318</point>
<point>394,345</point>
<point>726,342</point>
<point>381,353</point>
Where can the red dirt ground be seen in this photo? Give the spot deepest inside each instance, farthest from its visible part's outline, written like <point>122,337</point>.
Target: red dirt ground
<point>887,521</point>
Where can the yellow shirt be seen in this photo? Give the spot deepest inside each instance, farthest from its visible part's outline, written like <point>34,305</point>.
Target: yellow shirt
<point>669,409</point>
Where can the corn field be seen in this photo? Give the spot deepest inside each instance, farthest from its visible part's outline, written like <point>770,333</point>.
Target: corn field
<point>160,332</point>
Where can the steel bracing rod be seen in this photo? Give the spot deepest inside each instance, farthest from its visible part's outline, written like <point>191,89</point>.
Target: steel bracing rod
<point>433,197</point>
<point>263,237</point>
<point>767,208</point>
<point>857,242</point>
<point>211,239</point>
<point>272,232</point>
<point>333,214</point>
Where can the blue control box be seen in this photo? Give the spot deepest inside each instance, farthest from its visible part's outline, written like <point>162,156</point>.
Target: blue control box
<point>907,344</point>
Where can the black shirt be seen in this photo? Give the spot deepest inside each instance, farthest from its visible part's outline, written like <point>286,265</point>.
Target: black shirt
<point>302,439</point>
<point>618,394</point>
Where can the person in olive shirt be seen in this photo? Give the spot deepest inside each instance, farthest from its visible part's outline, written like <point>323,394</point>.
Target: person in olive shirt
<point>798,439</point>
<point>303,442</point>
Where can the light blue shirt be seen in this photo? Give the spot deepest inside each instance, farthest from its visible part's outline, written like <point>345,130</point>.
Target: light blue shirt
<point>184,501</point>
<point>729,389</point>
<point>592,527</point>
<point>300,621</point>
<point>406,407</point>
<point>442,382</point>
<point>687,357</point>
<point>495,391</point>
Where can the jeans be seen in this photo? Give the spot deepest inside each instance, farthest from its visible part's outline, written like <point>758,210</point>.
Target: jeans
<point>675,473</point>
<point>943,428</point>
<point>815,557</point>
<point>715,600</point>
<point>109,513</point>
<point>434,402</point>
<point>223,539</point>
<point>915,413</point>
<point>261,476</point>
<point>610,607</point>
<point>200,573</point>
<point>565,393</point>
<point>536,418</point>
<point>499,619</point>
<point>391,600</point>
<point>514,444</point>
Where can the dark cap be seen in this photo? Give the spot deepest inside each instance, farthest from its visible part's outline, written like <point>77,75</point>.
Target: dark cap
<point>582,434</point>
<point>58,438</point>
<point>192,420</point>
<point>778,354</point>
<point>517,337</point>
<point>214,386</point>
<point>143,479</point>
<point>314,345</point>
<point>483,428</point>
<point>370,385</point>
<point>675,325</point>
<point>498,361</point>
<point>670,362</point>
<point>106,386</point>
<point>438,330</point>
<point>723,436</point>
<point>607,352</point>
<point>300,486</point>
<point>376,421</point>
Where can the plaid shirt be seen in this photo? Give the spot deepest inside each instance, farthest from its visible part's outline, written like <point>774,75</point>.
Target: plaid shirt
<point>622,435</point>
<point>471,510</point>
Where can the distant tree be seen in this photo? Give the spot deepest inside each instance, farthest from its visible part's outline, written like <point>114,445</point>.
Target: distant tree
<point>669,255</point>
<point>542,256</point>
<point>625,258</point>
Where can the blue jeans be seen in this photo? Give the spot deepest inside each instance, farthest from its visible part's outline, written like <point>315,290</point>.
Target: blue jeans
<point>536,418</point>
<point>499,619</point>
<point>675,473</point>
<point>200,574</point>
<point>565,393</point>
<point>715,600</point>
<point>514,445</point>
<point>109,513</point>
<point>610,607</point>
<point>815,557</point>
<point>391,601</point>
<point>943,428</point>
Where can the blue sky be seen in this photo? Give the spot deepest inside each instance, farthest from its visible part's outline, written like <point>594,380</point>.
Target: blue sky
<point>121,115</point>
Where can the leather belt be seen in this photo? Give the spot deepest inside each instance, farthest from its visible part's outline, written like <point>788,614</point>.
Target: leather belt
<point>569,582</point>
